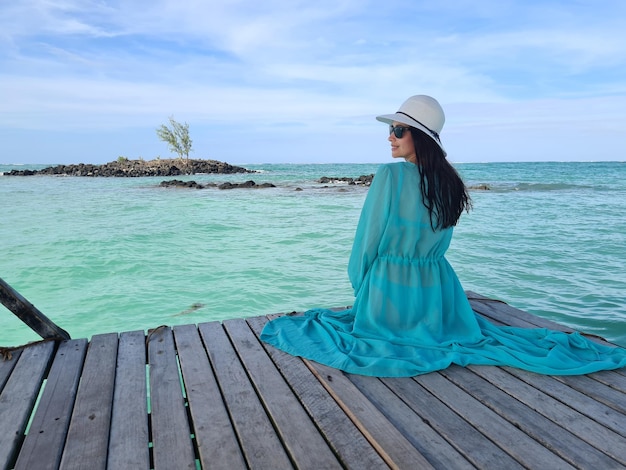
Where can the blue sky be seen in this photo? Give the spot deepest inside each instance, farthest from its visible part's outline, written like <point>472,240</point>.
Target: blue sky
<point>301,81</point>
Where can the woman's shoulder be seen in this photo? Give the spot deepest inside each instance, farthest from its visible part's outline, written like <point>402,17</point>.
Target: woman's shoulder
<point>395,168</point>
<point>398,164</point>
<point>394,174</point>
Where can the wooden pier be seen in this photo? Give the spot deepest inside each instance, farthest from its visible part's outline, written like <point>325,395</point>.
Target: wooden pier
<point>214,396</point>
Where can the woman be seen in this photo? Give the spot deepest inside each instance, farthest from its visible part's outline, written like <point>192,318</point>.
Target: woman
<point>410,315</point>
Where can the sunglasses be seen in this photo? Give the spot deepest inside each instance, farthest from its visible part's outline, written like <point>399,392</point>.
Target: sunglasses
<point>398,131</point>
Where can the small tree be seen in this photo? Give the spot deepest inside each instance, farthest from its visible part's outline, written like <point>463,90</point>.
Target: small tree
<point>176,137</point>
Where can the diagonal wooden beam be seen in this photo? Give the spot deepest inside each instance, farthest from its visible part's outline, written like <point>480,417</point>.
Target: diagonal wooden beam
<point>29,314</point>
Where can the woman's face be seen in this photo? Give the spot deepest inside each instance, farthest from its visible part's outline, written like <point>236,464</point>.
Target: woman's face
<point>403,147</point>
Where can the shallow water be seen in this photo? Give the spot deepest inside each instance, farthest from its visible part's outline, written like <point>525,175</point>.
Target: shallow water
<point>111,254</point>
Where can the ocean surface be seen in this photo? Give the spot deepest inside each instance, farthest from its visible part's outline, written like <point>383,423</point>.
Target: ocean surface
<point>98,255</point>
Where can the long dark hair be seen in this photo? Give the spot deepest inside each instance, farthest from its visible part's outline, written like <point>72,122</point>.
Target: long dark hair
<point>444,193</point>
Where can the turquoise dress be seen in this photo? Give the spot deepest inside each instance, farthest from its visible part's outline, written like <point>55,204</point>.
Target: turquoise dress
<point>411,315</point>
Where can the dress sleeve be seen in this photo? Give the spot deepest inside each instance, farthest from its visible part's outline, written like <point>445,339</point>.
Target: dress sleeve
<point>371,226</point>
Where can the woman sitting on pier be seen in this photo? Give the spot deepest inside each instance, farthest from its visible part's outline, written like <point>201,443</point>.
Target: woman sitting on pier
<point>411,315</point>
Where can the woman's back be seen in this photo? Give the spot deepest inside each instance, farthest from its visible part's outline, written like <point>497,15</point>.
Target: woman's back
<point>403,285</point>
<point>408,232</point>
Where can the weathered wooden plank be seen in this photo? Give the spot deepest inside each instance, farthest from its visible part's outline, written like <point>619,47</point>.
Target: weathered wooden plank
<point>603,404</point>
<point>18,397</point>
<point>216,440</point>
<point>43,445</point>
<point>550,435</point>
<point>171,434</point>
<point>476,447</point>
<point>514,442</point>
<point>389,442</point>
<point>6,366</point>
<point>343,436</point>
<point>300,436</point>
<point>611,378</point>
<point>29,314</point>
<point>595,400</point>
<point>261,446</point>
<point>598,392</point>
<point>129,438</point>
<point>578,400</point>
<point>439,452</point>
<point>92,408</point>
<point>532,391</point>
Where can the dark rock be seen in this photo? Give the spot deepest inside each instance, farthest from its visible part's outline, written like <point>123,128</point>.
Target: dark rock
<point>181,184</point>
<point>363,180</point>
<point>247,184</point>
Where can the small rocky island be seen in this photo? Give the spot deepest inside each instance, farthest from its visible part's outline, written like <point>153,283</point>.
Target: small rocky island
<point>123,167</point>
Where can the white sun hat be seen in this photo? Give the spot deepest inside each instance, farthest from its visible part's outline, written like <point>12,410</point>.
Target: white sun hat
<point>422,112</point>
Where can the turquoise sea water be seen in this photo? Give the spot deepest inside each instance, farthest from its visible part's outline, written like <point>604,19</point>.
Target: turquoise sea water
<point>98,255</point>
